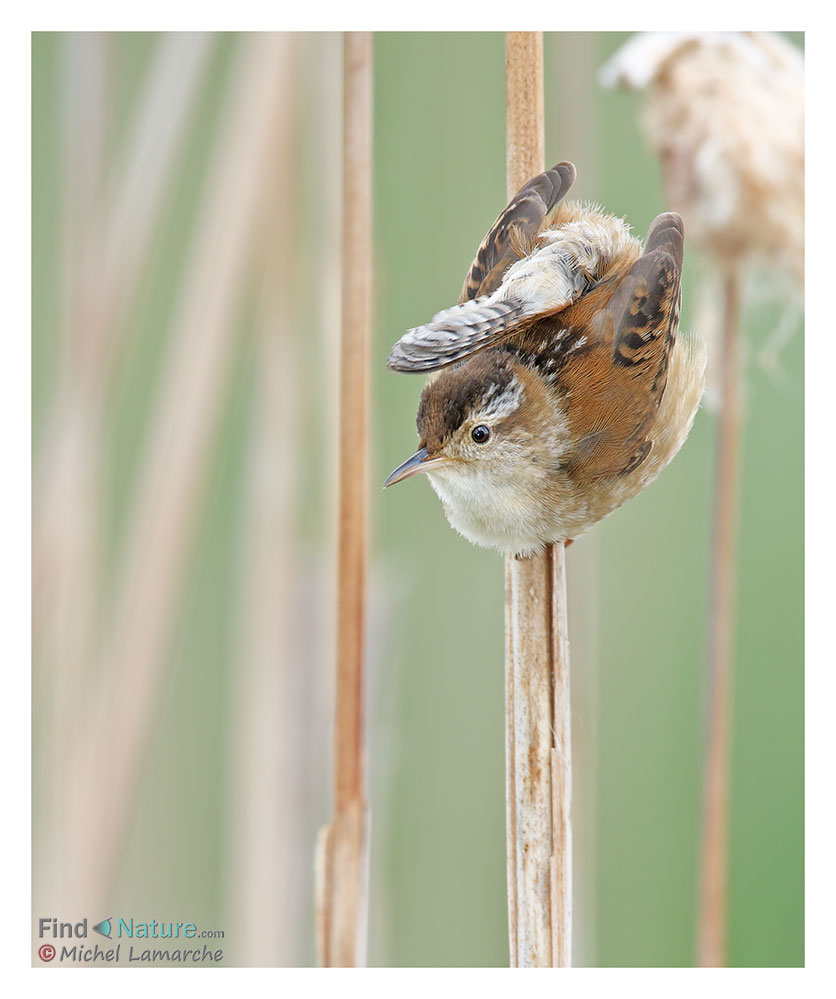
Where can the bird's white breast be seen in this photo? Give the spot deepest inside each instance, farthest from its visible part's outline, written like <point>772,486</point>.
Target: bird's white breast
<point>490,513</point>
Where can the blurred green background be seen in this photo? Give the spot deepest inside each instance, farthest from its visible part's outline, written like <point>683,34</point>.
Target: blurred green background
<point>436,728</point>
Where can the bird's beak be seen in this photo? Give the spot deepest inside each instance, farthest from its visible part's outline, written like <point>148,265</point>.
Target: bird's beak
<point>419,462</point>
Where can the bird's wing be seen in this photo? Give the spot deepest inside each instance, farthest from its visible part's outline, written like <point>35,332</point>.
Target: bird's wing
<point>514,231</point>
<point>500,291</point>
<point>614,389</point>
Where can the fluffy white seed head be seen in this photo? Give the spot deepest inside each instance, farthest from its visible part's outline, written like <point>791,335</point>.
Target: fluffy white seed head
<point>725,115</point>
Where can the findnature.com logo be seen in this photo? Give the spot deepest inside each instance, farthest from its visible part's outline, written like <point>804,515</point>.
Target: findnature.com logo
<point>177,949</point>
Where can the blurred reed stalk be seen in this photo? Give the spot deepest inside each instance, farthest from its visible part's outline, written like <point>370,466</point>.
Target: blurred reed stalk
<point>343,846</point>
<point>267,884</point>
<point>725,115</point>
<point>157,134</point>
<point>713,913</point>
<point>537,697</point>
<point>66,544</point>
<point>103,773</point>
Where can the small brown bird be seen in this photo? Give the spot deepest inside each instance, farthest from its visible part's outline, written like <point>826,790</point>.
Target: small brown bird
<point>566,389</point>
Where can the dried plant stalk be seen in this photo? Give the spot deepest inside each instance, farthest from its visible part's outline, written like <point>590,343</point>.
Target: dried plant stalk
<point>158,132</point>
<point>735,169</point>
<point>713,914</point>
<point>537,705</point>
<point>342,853</point>
<point>268,887</point>
<point>561,768</point>
<point>66,543</point>
<point>725,115</point>
<point>525,146</point>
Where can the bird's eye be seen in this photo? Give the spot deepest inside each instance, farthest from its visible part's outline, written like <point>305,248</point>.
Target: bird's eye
<point>481,434</point>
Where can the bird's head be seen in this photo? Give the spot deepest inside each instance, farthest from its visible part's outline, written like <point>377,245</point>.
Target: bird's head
<point>489,423</point>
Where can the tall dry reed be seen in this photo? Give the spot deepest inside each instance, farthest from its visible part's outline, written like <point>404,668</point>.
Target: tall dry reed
<point>537,703</point>
<point>343,848</point>
<point>724,112</point>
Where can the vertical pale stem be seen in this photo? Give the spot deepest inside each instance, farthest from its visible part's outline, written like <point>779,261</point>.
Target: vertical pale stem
<point>714,862</point>
<point>538,764</point>
<point>66,528</point>
<point>529,769</point>
<point>158,131</point>
<point>354,415</point>
<point>342,862</point>
<point>561,769</point>
<point>525,146</point>
<point>269,819</point>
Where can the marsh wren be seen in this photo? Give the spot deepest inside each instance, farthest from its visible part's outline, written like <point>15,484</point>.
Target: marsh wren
<point>565,388</point>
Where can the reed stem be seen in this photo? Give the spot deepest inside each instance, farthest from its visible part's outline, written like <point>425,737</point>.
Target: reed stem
<point>270,807</point>
<point>537,708</point>
<point>342,853</point>
<point>713,915</point>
